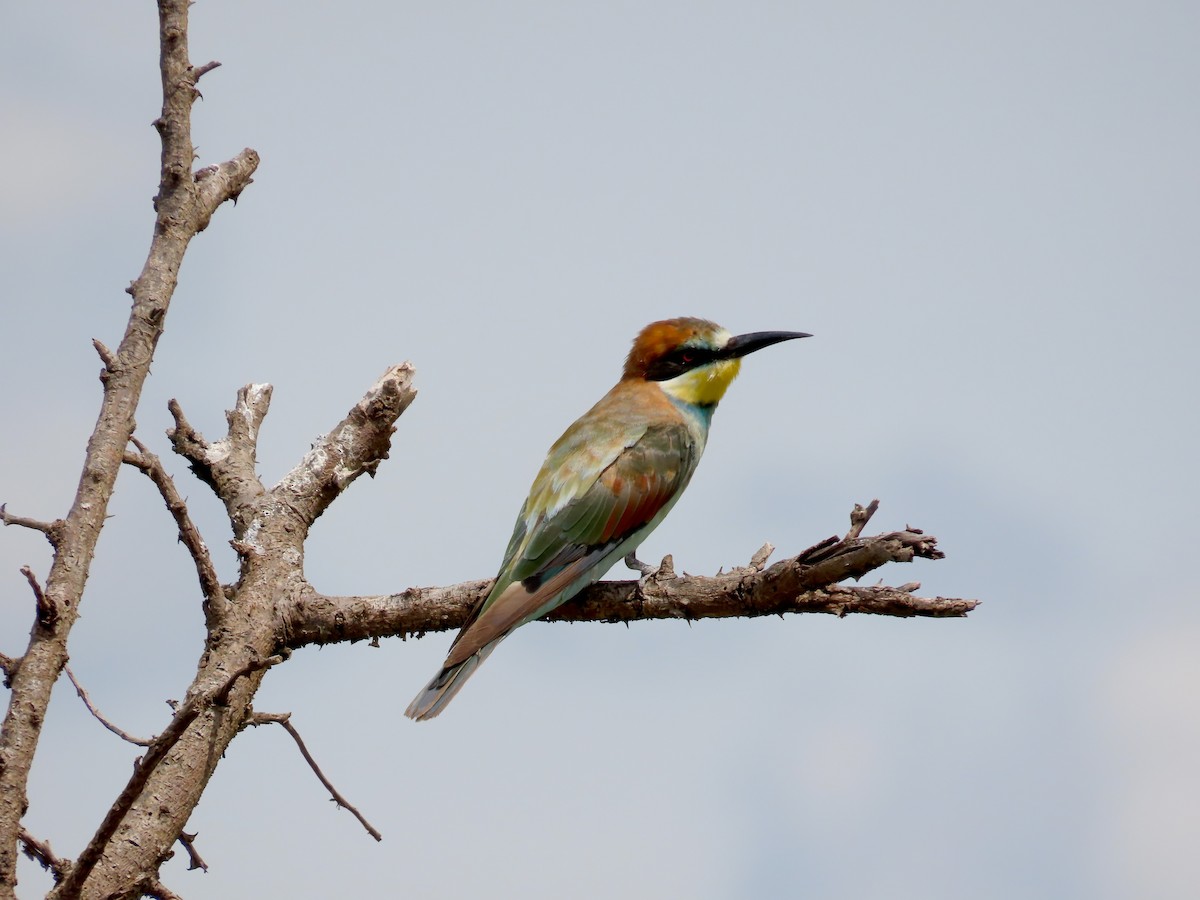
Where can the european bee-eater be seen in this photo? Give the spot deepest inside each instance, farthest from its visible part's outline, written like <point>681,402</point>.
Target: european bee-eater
<point>605,485</point>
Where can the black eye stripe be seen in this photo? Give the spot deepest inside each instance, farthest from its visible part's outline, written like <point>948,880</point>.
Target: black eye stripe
<point>678,361</point>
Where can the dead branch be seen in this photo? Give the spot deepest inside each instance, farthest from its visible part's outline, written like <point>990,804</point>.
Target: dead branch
<point>284,720</point>
<point>758,561</point>
<point>87,701</point>
<point>357,446</point>
<point>221,697</point>
<point>859,517</point>
<point>189,534</point>
<point>804,584</point>
<point>47,612</point>
<point>199,72</point>
<point>40,852</point>
<point>195,860</point>
<point>270,527</point>
<point>157,750</point>
<point>52,530</point>
<point>184,206</point>
<point>228,465</point>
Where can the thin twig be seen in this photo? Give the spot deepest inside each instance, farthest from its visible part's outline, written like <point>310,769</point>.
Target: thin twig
<point>284,719</point>
<point>47,612</point>
<point>195,860</point>
<point>87,701</point>
<point>52,530</point>
<point>155,753</point>
<point>221,697</point>
<point>189,534</point>
<point>40,852</point>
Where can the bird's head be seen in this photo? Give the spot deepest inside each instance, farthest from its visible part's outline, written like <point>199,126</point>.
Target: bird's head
<point>694,360</point>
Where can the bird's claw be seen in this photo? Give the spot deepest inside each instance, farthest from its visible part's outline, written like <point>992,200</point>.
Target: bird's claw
<point>664,571</point>
<point>637,565</point>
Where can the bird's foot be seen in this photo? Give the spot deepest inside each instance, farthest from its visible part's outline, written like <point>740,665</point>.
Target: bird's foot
<point>637,565</point>
<point>664,571</point>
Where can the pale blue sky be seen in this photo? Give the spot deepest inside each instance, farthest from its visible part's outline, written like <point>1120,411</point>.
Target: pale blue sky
<point>986,214</point>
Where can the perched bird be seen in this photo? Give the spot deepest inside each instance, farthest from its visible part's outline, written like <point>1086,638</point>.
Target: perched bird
<point>605,485</point>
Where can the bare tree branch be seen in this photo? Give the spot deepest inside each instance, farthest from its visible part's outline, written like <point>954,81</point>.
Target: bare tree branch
<point>758,561</point>
<point>284,720</point>
<point>8,665</point>
<point>195,860</point>
<point>87,701</point>
<point>859,517</point>
<point>40,852</point>
<point>199,72</point>
<point>228,465</point>
<point>189,534</point>
<point>184,205</point>
<point>47,612</point>
<point>52,530</point>
<point>270,527</point>
<point>789,586</point>
<point>357,446</point>
<point>156,752</point>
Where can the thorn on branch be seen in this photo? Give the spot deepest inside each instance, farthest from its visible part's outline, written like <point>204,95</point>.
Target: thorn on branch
<point>87,701</point>
<point>284,720</point>
<point>195,860</point>
<point>47,612</point>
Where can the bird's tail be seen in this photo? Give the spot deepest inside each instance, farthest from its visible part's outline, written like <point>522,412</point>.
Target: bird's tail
<point>445,684</point>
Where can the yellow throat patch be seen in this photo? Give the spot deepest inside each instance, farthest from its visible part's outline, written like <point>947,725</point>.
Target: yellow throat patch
<point>704,386</point>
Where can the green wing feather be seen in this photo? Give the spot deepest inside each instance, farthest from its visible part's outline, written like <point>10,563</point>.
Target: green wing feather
<point>557,550</point>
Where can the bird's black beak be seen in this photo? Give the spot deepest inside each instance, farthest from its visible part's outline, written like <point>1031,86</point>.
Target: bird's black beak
<point>744,344</point>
